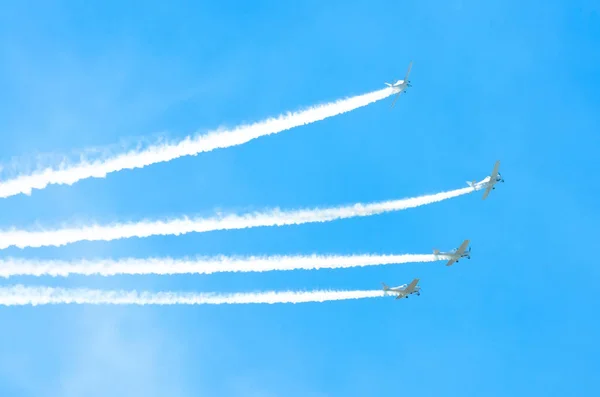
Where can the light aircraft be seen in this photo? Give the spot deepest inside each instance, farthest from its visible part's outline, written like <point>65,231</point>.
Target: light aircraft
<point>403,290</point>
<point>456,254</point>
<point>488,183</point>
<point>401,85</point>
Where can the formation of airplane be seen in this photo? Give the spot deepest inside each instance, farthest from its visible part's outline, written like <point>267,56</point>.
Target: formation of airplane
<point>401,85</point>
<point>456,254</point>
<point>489,182</point>
<point>403,291</point>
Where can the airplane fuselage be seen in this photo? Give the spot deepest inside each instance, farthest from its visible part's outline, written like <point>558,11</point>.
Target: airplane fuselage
<point>487,182</point>
<point>492,182</point>
<point>453,255</point>
<point>400,290</point>
<point>399,85</point>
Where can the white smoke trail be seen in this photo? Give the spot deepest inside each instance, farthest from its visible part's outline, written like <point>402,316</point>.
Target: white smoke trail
<point>275,217</point>
<point>20,295</point>
<point>167,266</point>
<point>190,146</point>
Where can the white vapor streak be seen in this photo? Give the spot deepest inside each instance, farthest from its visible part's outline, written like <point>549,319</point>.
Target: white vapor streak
<point>166,266</point>
<point>190,146</point>
<point>275,217</point>
<point>20,295</point>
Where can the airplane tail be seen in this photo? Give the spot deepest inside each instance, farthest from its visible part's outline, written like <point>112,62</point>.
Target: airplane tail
<point>385,287</point>
<point>472,184</point>
<point>388,84</point>
<point>436,252</point>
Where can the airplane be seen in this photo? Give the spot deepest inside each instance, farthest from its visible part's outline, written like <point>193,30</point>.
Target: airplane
<point>401,85</point>
<point>403,290</point>
<point>488,183</point>
<point>456,254</point>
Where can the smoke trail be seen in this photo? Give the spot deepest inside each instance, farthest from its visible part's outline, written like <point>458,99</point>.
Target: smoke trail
<point>190,146</point>
<point>221,264</point>
<point>20,295</point>
<point>276,217</point>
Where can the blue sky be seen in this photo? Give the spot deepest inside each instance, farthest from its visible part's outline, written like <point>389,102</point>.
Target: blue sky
<point>491,80</point>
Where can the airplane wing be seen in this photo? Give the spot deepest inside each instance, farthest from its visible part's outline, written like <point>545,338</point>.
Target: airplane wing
<point>411,287</point>
<point>459,251</point>
<point>395,99</point>
<point>487,190</point>
<point>495,171</point>
<point>462,248</point>
<point>451,261</point>
<point>408,71</point>
<point>401,294</point>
